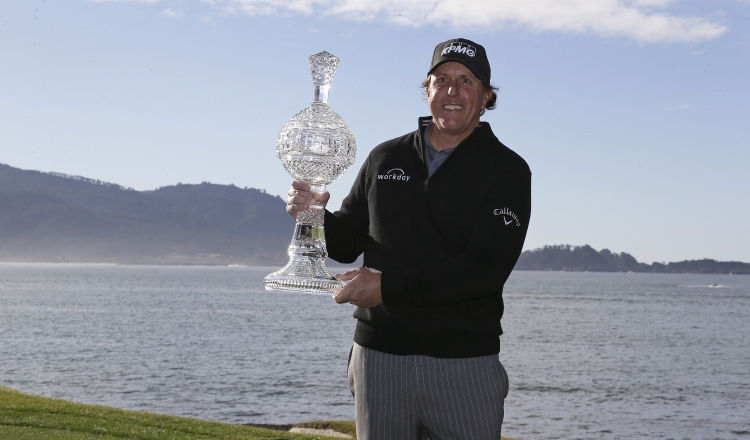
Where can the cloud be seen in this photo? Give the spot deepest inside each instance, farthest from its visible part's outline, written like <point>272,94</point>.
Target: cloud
<point>677,107</point>
<point>645,21</point>
<point>611,18</point>
<point>653,3</point>
<point>171,13</point>
<point>125,1</point>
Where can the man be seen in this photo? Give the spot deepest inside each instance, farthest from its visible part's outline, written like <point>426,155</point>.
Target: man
<point>441,215</point>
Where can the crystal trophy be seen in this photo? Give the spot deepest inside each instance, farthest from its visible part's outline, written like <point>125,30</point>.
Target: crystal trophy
<point>316,147</point>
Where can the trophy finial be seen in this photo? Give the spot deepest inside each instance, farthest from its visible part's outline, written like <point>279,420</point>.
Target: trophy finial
<point>323,67</point>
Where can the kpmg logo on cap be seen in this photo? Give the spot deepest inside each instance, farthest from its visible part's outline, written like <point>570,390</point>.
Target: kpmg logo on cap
<point>459,47</point>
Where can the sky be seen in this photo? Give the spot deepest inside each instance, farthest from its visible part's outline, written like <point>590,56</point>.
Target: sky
<point>633,115</point>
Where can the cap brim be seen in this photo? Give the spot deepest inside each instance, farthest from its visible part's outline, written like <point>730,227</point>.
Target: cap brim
<point>481,77</point>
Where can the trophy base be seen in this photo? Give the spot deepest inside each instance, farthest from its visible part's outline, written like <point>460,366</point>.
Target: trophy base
<point>306,275</point>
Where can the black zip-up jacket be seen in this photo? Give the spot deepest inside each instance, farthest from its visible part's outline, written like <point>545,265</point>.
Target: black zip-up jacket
<point>445,245</point>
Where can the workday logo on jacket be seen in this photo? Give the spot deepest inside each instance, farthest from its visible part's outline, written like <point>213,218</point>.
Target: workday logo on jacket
<point>394,174</point>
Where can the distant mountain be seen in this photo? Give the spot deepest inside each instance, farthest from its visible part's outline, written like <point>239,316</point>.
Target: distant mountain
<point>53,217</point>
<point>586,259</point>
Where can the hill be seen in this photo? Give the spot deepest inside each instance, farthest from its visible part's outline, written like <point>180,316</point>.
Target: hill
<point>586,259</point>
<point>52,217</point>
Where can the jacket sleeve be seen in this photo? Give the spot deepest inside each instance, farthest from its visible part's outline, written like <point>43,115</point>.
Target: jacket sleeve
<point>346,230</point>
<point>483,266</point>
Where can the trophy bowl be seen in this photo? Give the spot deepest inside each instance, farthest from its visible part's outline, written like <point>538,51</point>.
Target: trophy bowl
<point>316,147</point>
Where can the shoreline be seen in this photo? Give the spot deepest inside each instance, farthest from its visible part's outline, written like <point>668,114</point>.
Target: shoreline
<point>228,264</point>
<point>329,264</point>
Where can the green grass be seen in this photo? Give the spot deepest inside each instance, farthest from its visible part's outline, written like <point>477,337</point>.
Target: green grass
<point>23,416</point>
<point>27,417</point>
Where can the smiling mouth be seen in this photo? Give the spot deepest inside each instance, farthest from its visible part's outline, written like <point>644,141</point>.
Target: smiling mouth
<point>453,107</point>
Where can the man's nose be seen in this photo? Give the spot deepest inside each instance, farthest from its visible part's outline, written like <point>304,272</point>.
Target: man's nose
<point>452,90</point>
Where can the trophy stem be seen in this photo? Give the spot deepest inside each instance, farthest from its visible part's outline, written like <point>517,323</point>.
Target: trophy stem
<point>306,270</point>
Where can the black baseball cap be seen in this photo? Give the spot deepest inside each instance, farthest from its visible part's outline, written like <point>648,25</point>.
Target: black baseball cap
<point>466,52</point>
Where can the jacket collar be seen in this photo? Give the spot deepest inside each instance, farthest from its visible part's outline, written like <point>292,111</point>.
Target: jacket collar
<point>484,129</point>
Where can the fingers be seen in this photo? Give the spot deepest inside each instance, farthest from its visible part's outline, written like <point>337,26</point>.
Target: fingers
<point>363,290</point>
<point>301,198</point>
<point>349,274</point>
<point>297,201</point>
<point>300,186</point>
<point>343,295</point>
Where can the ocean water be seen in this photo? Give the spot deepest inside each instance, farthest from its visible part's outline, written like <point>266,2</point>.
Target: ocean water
<point>589,355</point>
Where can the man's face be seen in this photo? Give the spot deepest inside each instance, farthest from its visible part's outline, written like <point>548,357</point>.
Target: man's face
<point>455,97</point>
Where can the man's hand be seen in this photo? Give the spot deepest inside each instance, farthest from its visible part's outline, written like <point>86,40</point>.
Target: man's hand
<point>301,197</point>
<point>363,290</point>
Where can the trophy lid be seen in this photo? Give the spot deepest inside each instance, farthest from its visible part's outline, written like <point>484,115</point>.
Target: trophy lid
<point>323,67</point>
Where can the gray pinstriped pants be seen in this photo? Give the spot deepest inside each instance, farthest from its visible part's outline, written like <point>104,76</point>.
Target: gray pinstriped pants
<point>413,397</point>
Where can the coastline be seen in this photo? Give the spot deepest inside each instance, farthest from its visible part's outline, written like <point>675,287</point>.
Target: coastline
<point>215,262</point>
<point>229,263</point>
